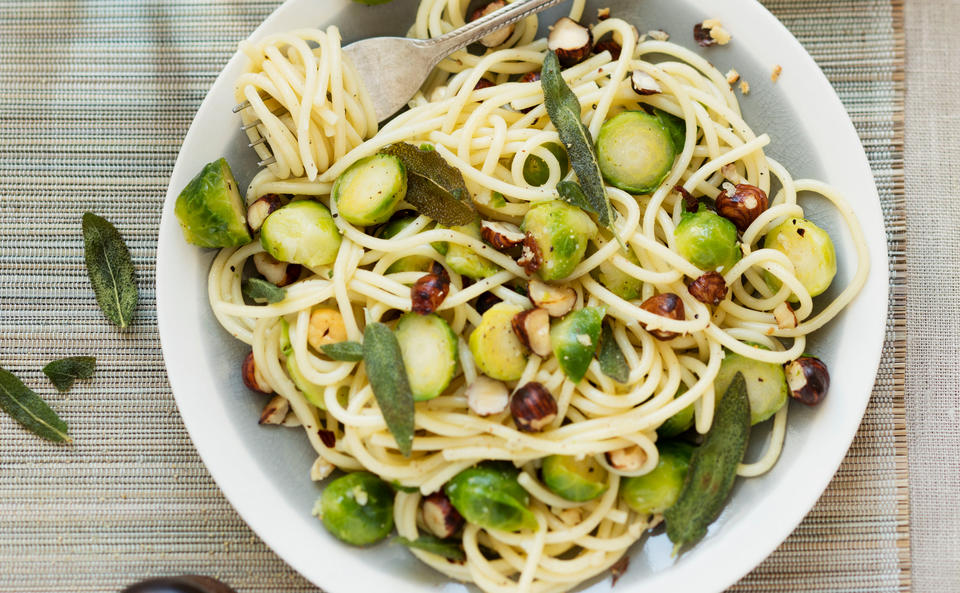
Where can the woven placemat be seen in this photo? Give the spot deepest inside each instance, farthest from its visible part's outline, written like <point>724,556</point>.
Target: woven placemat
<point>95,97</point>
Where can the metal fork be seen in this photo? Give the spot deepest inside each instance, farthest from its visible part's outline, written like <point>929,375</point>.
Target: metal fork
<point>394,68</point>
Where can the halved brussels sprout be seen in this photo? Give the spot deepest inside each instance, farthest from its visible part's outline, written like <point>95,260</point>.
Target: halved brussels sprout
<point>575,339</point>
<point>574,479</point>
<point>560,232</point>
<point>301,232</point>
<point>411,263</point>
<point>489,495</point>
<point>766,383</point>
<point>429,349</point>
<point>616,280</point>
<point>496,349</point>
<point>358,508</point>
<point>370,189</point>
<point>707,240</point>
<point>210,209</point>
<point>635,151</point>
<point>464,260</point>
<point>809,248</point>
<point>656,491</point>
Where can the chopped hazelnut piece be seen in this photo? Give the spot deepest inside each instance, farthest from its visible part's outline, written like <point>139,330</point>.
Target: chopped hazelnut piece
<point>777,70</point>
<point>732,76</point>
<point>658,35</point>
<point>603,14</point>
<point>717,32</point>
<point>744,87</point>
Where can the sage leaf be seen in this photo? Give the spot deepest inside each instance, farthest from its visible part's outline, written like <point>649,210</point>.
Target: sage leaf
<point>372,2</point>
<point>261,290</point>
<point>110,269</point>
<point>713,468</point>
<point>62,373</point>
<point>347,351</point>
<point>564,111</point>
<point>612,361</point>
<point>434,188</point>
<point>449,549</point>
<point>28,409</point>
<point>388,379</point>
<point>572,194</point>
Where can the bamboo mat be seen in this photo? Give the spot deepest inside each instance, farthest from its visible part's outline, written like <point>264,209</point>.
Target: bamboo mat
<point>95,97</point>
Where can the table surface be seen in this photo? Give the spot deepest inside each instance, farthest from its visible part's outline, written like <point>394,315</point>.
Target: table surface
<point>932,130</point>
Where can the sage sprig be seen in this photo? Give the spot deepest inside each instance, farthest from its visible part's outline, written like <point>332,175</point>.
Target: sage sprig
<point>564,109</point>
<point>344,351</point>
<point>449,549</point>
<point>434,188</point>
<point>260,290</point>
<point>110,269</point>
<point>388,379</point>
<point>62,373</point>
<point>28,409</point>
<point>612,361</point>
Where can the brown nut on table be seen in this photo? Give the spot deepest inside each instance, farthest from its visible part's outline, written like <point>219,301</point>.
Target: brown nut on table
<point>428,292</point>
<point>486,396</point>
<point>808,379</point>
<point>275,410</point>
<point>666,305</point>
<point>500,36</point>
<point>275,271</point>
<point>439,516</point>
<point>533,407</point>
<point>786,318</point>
<point>501,235</point>
<point>570,40</point>
<point>710,288</point>
<point>644,84</point>
<point>557,300</point>
<point>258,211</point>
<point>608,45</point>
<point>629,459</point>
<point>250,376</point>
<point>533,328</point>
<point>743,206</point>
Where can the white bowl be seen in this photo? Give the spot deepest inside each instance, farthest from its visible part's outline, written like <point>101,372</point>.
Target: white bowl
<point>264,471</point>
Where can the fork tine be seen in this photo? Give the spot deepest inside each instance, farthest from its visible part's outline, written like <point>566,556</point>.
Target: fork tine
<point>241,106</point>
<point>266,162</point>
<point>255,142</point>
<point>252,124</point>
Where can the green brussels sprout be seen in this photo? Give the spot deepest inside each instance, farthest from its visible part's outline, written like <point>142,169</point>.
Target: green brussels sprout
<point>766,383</point>
<point>616,280</point>
<point>358,508</point>
<point>429,352</point>
<point>809,248</point>
<point>707,240</point>
<point>656,491</point>
<point>635,151</point>
<point>370,189</point>
<point>489,495</point>
<point>301,232</point>
<point>535,169</point>
<point>210,209</point>
<point>496,349</point>
<point>464,260</point>
<point>560,232</point>
<point>574,479</point>
<point>411,263</point>
<point>575,339</point>
<point>680,422</point>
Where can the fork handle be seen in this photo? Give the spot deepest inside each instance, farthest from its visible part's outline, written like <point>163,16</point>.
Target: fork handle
<point>476,30</point>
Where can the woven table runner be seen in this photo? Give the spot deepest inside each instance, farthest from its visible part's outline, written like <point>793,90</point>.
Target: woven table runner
<point>95,98</point>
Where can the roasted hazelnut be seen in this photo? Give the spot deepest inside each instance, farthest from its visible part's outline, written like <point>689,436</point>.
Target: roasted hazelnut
<point>690,203</point>
<point>533,407</point>
<point>258,211</point>
<point>710,288</point>
<point>486,396</point>
<point>275,410</point>
<point>428,292</point>
<point>608,45</point>
<point>328,438</point>
<point>483,83</point>
<point>743,206</point>
<point>179,584</point>
<point>439,516</point>
<point>531,76</point>
<point>786,318</point>
<point>666,305</point>
<point>702,36</point>
<point>808,379</point>
<point>485,301</point>
<point>603,13</point>
<point>532,326</point>
<point>570,40</point>
<point>326,327</point>
<point>644,84</point>
<point>531,259</point>
<point>501,235</point>
<point>629,459</point>
<point>251,378</point>
<point>500,36</point>
<point>321,469</point>
<point>557,300</point>
<point>275,271</point>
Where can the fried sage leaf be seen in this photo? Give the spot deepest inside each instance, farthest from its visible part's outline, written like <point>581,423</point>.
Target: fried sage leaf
<point>434,188</point>
<point>62,373</point>
<point>449,549</point>
<point>713,468</point>
<point>612,361</point>
<point>346,351</point>
<point>572,194</point>
<point>110,269</point>
<point>388,379</point>
<point>564,111</point>
<point>261,290</point>
<point>28,409</point>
